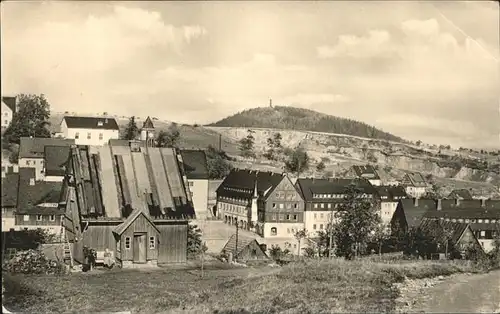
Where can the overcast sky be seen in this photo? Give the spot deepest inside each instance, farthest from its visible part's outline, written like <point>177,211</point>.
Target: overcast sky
<point>419,70</point>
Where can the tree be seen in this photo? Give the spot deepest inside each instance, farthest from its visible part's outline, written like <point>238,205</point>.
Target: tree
<point>194,244</point>
<point>418,143</point>
<point>170,137</point>
<point>320,166</point>
<point>371,157</point>
<point>310,252</point>
<point>299,235</point>
<point>131,130</point>
<point>297,160</point>
<point>274,147</point>
<point>31,118</point>
<point>380,235</point>
<point>364,149</point>
<point>247,145</point>
<point>218,166</point>
<point>356,218</point>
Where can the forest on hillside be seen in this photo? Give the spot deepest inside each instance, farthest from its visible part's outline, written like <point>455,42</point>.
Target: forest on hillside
<point>299,119</point>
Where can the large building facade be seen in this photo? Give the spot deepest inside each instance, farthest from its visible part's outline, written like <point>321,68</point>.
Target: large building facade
<point>96,131</point>
<point>195,166</point>
<point>9,107</point>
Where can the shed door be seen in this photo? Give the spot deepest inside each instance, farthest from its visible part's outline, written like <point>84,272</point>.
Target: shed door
<point>140,247</point>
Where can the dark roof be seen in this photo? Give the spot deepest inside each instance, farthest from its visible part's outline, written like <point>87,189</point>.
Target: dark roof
<point>438,229</point>
<point>102,123</point>
<point>416,179</point>
<point>241,183</point>
<point>9,189</point>
<point>414,214</point>
<point>56,158</point>
<point>35,147</point>
<point>243,242</point>
<point>461,194</point>
<point>10,102</point>
<point>308,187</point>
<point>40,210</point>
<point>195,164</point>
<point>32,195</point>
<point>367,172</point>
<point>120,142</point>
<point>390,191</point>
<point>148,124</point>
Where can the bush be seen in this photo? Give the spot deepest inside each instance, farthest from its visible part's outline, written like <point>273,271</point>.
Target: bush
<point>33,262</point>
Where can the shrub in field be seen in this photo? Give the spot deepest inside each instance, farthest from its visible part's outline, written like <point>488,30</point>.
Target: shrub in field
<point>33,262</point>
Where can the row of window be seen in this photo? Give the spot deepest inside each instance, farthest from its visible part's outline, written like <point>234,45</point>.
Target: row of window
<point>232,199</point>
<point>320,227</point>
<point>89,136</point>
<point>282,217</point>
<point>233,208</point>
<point>487,221</point>
<point>284,195</point>
<point>322,205</point>
<point>364,195</point>
<point>39,217</point>
<point>28,162</point>
<point>287,205</point>
<point>322,216</point>
<point>152,243</point>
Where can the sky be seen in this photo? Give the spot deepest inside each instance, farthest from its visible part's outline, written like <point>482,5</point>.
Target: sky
<point>423,71</point>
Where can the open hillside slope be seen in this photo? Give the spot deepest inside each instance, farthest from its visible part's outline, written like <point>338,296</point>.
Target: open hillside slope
<point>291,118</point>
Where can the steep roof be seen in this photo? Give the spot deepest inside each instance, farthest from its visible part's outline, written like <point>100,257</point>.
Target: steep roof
<point>195,164</point>
<point>463,194</point>
<point>10,102</point>
<point>416,179</point>
<point>10,186</point>
<point>56,158</point>
<point>415,212</point>
<point>440,230</point>
<point>120,229</point>
<point>35,147</point>
<point>148,124</point>
<point>243,242</point>
<point>390,191</point>
<point>242,182</point>
<point>308,186</point>
<point>32,195</point>
<point>367,172</point>
<point>99,123</point>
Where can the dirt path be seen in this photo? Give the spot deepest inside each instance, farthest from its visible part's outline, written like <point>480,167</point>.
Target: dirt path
<point>462,294</point>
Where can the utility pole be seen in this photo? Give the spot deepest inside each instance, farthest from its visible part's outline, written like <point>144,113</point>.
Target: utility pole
<point>330,245</point>
<point>220,142</point>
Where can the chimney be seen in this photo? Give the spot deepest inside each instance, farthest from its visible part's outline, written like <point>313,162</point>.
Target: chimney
<point>439,207</point>
<point>457,201</point>
<point>483,202</point>
<point>415,201</point>
<point>3,174</point>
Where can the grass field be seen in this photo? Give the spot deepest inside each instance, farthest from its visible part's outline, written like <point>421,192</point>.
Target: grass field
<point>303,287</point>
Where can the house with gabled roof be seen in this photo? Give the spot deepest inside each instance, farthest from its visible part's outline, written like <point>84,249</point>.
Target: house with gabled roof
<point>131,201</point>
<point>196,168</point>
<point>322,197</point>
<point>10,184</point>
<point>389,196</point>
<point>367,172</point>
<point>95,131</point>
<point>415,184</point>
<point>32,153</point>
<point>9,108</point>
<point>462,194</point>
<point>245,249</point>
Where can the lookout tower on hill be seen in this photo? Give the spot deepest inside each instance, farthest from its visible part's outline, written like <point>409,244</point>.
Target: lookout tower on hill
<point>148,132</point>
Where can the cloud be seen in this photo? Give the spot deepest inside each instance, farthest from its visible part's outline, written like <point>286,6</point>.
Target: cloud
<point>374,44</point>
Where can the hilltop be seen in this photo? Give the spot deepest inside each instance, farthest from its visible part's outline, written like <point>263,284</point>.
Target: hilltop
<point>299,119</point>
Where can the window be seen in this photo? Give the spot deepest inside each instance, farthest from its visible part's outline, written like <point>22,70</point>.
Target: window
<point>315,205</point>
<point>127,243</point>
<point>152,242</point>
<point>118,245</point>
<point>295,206</point>
<point>288,205</point>
<point>282,206</point>
<point>321,215</point>
<point>190,183</point>
<point>314,227</point>
<point>288,230</point>
<point>274,205</point>
<point>52,217</point>
<point>77,135</point>
<point>281,216</point>
<point>329,205</point>
<point>28,162</point>
<point>315,216</point>
<point>294,217</point>
<point>287,217</point>
<point>26,217</point>
<point>38,217</point>
<point>480,220</point>
<point>6,114</point>
<point>483,233</point>
<point>274,216</point>
<point>100,136</point>
<point>322,205</point>
<point>274,231</point>
<point>487,221</point>
<point>6,122</point>
<point>89,135</point>
<point>321,227</point>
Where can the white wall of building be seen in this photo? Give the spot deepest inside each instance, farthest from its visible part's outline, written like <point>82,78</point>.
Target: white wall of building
<point>199,194</point>
<point>6,115</point>
<point>415,191</point>
<point>283,230</point>
<point>487,244</point>
<point>315,221</point>
<point>37,163</point>
<point>97,137</point>
<point>375,182</point>
<point>387,209</point>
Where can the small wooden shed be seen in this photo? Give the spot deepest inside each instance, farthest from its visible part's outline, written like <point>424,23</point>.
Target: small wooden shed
<point>137,240</point>
<point>244,249</point>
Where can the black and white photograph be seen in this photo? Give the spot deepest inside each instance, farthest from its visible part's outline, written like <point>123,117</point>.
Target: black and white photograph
<point>250,156</point>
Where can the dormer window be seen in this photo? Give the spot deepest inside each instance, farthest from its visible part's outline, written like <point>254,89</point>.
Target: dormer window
<point>100,123</point>
<point>32,181</point>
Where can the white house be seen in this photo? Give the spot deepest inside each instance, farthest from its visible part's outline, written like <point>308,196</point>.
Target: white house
<point>389,198</point>
<point>195,166</point>
<point>9,107</point>
<point>95,131</point>
<point>415,184</point>
<point>32,153</point>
